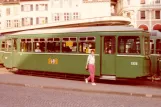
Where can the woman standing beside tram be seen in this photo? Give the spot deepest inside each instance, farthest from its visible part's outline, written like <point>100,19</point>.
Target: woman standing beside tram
<point>90,65</point>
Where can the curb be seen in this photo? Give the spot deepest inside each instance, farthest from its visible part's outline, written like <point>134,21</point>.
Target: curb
<point>84,90</point>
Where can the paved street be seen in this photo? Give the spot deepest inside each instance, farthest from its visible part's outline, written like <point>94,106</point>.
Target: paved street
<point>18,96</point>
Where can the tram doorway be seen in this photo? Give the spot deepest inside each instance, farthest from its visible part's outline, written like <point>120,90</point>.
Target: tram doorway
<point>108,62</point>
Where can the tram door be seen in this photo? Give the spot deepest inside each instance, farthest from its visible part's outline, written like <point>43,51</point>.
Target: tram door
<point>108,56</point>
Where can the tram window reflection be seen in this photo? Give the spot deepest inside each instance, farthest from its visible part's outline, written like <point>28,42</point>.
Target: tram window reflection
<point>86,44</point>
<point>158,46</point>
<point>109,45</point>
<point>25,45</point>
<point>39,45</point>
<point>69,44</point>
<point>53,45</point>
<point>129,44</point>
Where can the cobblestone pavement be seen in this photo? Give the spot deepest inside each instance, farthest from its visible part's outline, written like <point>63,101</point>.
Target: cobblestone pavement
<point>17,96</point>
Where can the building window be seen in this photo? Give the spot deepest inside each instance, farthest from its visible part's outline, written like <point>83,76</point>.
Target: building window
<point>157,14</point>
<point>15,10</point>
<point>56,16</point>
<point>142,14</point>
<point>27,21</point>
<point>157,1</point>
<point>0,25</point>
<point>27,7</point>
<point>75,15</point>
<point>16,23</point>
<point>41,20</point>
<point>142,1</point>
<point>8,23</point>
<point>8,11</point>
<point>0,13</point>
<point>66,16</point>
<point>41,7</point>
<point>128,2</point>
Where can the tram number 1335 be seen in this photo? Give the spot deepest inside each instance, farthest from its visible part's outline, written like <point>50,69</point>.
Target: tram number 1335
<point>134,63</point>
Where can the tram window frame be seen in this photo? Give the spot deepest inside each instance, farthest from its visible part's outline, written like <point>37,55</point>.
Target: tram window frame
<point>3,45</point>
<point>9,49</point>
<point>152,46</point>
<point>146,45</point>
<point>69,45</point>
<point>127,47</point>
<point>158,48</point>
<point>15,44</point>
<point>27,45</point>
<point>51,45</point>
<point>39,45</point>
<point>109,44</point>
<point>84,42</point>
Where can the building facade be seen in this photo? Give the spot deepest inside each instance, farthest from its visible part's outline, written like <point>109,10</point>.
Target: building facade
<point>144,14</point>
<point>20,13</point>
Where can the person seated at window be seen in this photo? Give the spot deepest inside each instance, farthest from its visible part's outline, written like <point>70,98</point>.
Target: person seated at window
<point>37,49</point>
<point>66,48</point>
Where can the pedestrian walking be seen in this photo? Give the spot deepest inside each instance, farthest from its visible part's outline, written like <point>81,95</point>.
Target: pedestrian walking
<point>90,66</point>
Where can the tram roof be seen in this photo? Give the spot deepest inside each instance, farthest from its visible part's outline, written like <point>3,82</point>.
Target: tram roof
<point>79,30</point>
<point>155,34</point>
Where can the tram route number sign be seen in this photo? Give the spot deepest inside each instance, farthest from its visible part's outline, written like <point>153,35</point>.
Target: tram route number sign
<point>52,61</point>
<point>134,63</point>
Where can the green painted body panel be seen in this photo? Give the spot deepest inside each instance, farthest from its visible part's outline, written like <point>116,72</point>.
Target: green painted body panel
<point>131,67</point>
<point>8,60</point>
<point>74,64</point>
<point>1,57</point>
<point>108,64</point>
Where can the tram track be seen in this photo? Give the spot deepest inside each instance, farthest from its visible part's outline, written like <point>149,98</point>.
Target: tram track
<point>131,82</point>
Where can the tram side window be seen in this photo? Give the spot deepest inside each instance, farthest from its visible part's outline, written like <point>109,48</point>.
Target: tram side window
<point>129,45</point>
<point>109,45</point>
<point>3,46</point>
<point>69,44</point>
<point>158,46</point>
<point>9,45</point>
<point>53,45</point>
<point>39,45</point>
<point>25,45</point>
<point>86,44</point>
<point>152,46</point>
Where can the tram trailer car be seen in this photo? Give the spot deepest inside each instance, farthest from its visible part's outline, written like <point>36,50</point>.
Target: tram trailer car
<point>120,51</point>
<point>2,49</point>
<point>155,47</point>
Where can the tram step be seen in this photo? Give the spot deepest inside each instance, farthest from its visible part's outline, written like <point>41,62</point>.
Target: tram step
<point>108,77</point>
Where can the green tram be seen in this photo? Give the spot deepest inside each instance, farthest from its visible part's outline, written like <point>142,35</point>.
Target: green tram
<point>155,47</point>
<point>120,51</point>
